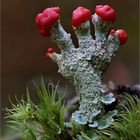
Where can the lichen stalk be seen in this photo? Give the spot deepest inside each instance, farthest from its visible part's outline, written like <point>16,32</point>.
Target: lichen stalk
<point>84,66</point>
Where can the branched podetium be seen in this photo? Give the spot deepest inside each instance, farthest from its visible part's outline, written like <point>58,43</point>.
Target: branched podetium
<point>84,66</point>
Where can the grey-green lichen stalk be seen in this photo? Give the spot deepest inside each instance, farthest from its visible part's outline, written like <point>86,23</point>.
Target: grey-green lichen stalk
<point>84,67</point>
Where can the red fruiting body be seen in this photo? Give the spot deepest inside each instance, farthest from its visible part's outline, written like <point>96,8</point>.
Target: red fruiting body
<point>112,32</point>
<point>46,19</point>
<point>106,12</point>
<point>80,15</point>
<point>51,50</point>
<point>122,36</point>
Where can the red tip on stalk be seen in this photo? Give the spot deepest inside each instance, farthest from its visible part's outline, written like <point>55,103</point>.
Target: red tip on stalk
<point>49,52</point>
<point>112,32</point>
<point>80,15</point>
<point>122,36</point>
<point>106,13</point>
<point>46,19</point>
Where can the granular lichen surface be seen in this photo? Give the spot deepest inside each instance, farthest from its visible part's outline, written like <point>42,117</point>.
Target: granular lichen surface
<point>84,66</point>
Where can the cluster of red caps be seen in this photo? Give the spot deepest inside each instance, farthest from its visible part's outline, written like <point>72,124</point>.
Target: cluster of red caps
<point>50,16</point>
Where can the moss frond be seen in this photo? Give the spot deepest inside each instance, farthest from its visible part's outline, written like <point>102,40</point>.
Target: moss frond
<point>44,120</point>
<point>127,126</point>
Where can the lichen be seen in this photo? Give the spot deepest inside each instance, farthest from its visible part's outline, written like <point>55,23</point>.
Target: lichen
<point>84,66</point>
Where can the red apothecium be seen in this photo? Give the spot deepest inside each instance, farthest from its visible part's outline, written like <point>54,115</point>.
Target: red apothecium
<point>46,19</point>
<point>106,12</point>
<point>122,36</point>
<point>80,15</point>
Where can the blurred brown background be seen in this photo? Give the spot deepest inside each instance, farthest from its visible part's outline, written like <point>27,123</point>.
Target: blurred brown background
<point>23,48</point>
